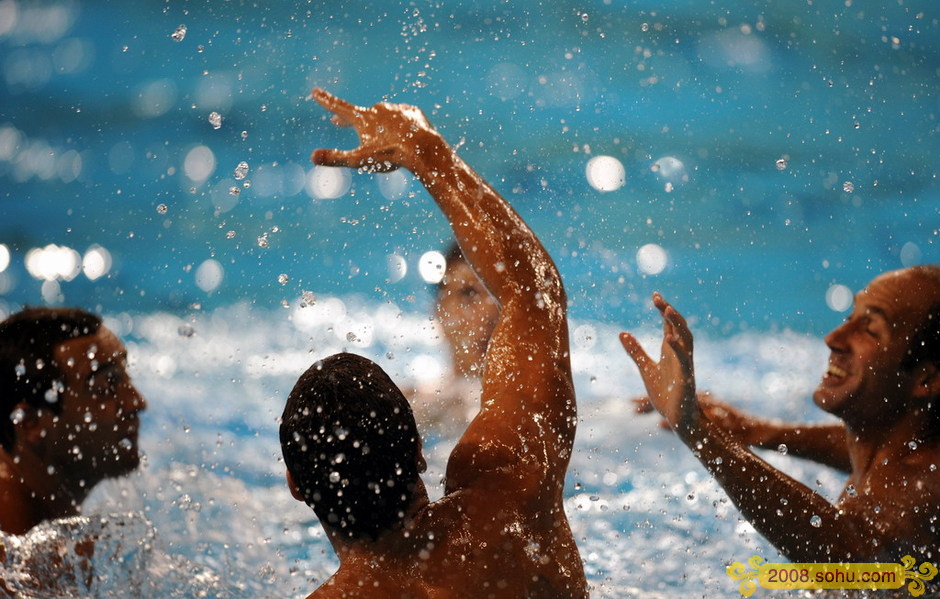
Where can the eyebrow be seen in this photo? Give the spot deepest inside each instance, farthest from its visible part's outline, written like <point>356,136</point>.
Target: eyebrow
<point>107,367</point>
<point>873,309</point>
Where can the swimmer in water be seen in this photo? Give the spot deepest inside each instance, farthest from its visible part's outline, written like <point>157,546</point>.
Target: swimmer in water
<point>69,414</point>
<point>350,441</point>
<point>466,314</point>
<point>883,382</point>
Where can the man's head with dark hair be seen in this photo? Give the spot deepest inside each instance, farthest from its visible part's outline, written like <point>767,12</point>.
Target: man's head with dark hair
<point>351,446</point>
<point>29,372</point>
<point>70,413</point>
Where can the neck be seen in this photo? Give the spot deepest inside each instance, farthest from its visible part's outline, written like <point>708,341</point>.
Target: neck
<point>870,446</point>
<point>466,364</point>
<point>348,549</point>
<point>36,493</point>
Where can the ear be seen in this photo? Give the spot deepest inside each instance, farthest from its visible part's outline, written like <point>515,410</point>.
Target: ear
<point>31,429</point>
<point>927,380</point>
<point>294,489</point>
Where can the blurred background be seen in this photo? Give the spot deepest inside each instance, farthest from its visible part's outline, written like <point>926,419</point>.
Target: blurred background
<point>757,161</point>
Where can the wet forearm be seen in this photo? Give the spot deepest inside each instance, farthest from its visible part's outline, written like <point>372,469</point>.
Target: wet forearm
<point>502,249</point>
<point>821,443</point>
<point>802,524</point>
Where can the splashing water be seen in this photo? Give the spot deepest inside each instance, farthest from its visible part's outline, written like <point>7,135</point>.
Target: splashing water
<point>641,507</point>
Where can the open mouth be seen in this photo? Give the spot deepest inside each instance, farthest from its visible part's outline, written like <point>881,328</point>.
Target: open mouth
<point>834,373</point>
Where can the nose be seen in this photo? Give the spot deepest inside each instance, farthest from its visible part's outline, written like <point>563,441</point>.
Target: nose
<point>134,402</point>
<point>836,339</point>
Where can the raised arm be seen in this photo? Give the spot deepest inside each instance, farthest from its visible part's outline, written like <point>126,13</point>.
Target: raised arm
<point>803,525</point>
<point>524,432</point>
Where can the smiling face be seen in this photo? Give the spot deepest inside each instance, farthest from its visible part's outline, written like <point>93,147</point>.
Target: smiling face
<point>95,434</point>
<point>866,382</point>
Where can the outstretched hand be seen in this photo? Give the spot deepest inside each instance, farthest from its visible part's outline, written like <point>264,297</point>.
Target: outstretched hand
<point>387,134</point>
<point>670,382</point>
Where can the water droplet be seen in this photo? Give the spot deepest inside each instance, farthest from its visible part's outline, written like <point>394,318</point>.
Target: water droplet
<point>283,279</point>
<point>40,364</point>
<point>200,48</point>
<point>86,417</point>
<point>334,477</point>
<point>848,187</point>
<point>215,119</point>
<point>20,370</point>
<point>244,135</point>
<point>17,416</point>
<point>912,444</point>
<point>351,337</point>
<point>233,190</point>
<point>186,330</point>
<point>782,448</point>
<point>161,208</point>
<point>781,164</point>
<point>390,355</point>
<point>179,34</point>
<point>850,491</point>
<point>815,521</point>
<point>125,444</point>
<point>263,241</point>
<point>230,235</point>
<point>241,171</point>
<point>308,298</point>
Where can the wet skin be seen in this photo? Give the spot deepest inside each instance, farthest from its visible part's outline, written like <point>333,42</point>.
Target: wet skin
<point>58,458</point>
<point>500,530</point>
<point>467,313</point>
<point>888,507</point>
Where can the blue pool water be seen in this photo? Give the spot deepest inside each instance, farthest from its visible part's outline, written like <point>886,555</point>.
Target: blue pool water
<point>775,157</point>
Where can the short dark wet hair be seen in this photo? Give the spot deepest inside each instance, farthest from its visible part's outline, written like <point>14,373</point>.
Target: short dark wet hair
<point>351,445</point>
<point>28,369</point>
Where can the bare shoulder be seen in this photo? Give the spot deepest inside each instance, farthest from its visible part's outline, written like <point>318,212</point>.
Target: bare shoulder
<point>897,504</point>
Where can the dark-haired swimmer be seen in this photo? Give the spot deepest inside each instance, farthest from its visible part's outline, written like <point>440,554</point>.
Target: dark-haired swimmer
<point>883,382</point>
<point>349,438</point>
<point>69,414</point>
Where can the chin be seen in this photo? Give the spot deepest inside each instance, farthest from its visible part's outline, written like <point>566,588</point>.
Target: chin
<point>828,402</point>
<point>123,465</point>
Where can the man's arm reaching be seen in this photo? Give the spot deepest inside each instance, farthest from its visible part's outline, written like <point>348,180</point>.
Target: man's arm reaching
<point>821,443</point>
<point>527,420</point>
<point>803,525</point>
